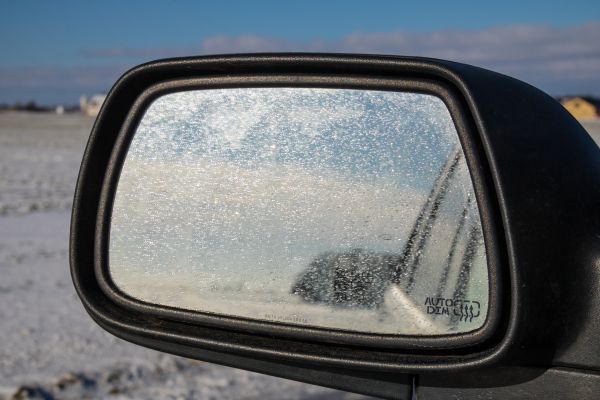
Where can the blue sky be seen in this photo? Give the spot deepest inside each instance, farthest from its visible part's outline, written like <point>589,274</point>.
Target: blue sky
<point>52,52</point>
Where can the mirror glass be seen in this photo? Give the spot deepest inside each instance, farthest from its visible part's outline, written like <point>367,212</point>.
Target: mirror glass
<point>333,208</point>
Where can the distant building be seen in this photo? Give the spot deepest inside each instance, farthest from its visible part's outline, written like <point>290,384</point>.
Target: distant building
<point>582,107</point>
<point>92,105</point>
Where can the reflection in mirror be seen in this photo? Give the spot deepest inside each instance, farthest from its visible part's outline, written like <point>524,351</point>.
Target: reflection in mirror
<point>333,208</point>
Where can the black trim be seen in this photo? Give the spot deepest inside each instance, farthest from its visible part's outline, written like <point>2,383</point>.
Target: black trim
<point>418,355</point>
<point>516,383</point>
<point>485,203</point>
<point>541,172</point>
<point>544,175</point>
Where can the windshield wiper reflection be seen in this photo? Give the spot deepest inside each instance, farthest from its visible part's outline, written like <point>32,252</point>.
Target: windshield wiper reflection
<point>359,278</point>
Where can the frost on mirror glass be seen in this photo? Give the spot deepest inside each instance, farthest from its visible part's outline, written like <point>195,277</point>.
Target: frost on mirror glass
<point>342,209</point>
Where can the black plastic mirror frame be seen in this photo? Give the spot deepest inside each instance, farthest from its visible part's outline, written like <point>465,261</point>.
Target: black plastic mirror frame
<point>287,330</point>
<point>183,337</point>
<point>527,145</point>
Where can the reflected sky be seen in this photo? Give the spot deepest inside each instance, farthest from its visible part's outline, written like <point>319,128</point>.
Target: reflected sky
<point>324,128</point>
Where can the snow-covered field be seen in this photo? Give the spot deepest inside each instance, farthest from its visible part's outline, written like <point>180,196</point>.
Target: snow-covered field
<point>49,347</point>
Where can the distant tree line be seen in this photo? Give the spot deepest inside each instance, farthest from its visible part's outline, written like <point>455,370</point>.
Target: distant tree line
<point>32,106</point>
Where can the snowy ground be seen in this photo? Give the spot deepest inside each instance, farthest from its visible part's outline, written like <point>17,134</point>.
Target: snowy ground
<point>49,347</point>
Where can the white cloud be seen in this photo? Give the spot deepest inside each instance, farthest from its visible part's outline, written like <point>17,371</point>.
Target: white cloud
<point>553,58</point>
<point>558,60</point>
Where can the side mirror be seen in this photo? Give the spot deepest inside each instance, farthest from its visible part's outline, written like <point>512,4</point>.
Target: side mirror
<point>390,226</point>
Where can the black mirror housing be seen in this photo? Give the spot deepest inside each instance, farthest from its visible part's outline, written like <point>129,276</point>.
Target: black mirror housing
<point>537,177</point>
